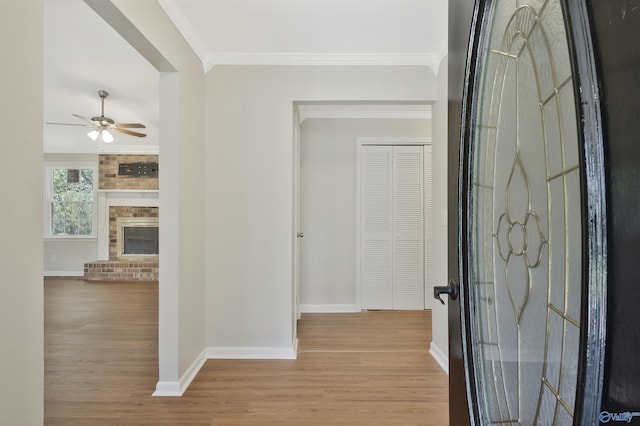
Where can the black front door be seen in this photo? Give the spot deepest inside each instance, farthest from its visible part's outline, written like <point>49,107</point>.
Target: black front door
<point>546,208</point>
<point>522,218</point>
<point>460,16</point>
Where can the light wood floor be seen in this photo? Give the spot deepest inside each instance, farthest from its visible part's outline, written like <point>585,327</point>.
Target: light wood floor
<point>369,368</point>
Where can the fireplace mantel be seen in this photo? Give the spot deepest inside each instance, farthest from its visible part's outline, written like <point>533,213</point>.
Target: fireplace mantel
<point>128,192</point>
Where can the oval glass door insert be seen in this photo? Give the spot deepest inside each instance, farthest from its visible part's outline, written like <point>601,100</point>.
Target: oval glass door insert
<point>524,218</point>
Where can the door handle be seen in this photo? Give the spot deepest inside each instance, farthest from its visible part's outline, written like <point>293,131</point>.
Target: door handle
<point>300,235</point>
<point>452,290</point>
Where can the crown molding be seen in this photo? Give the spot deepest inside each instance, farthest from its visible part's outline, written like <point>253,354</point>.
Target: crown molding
<point>210,59</point>
<point>406,111</point>
<point>288,58</point>
<point>114,148</point>
<point>176,15</point>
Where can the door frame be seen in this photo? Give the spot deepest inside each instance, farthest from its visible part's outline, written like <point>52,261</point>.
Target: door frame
<point>296,231</point>
<point>428,249</point>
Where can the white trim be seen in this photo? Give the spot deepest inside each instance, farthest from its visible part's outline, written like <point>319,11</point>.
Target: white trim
<point>129,191</point>
<point>178,388</point>
<point>167,389</point>
<point>392,141</point>
<point>119,198</point>
<point>212,59</point>
<point>408,111</point>
<point>49,167</point>
<point>251,352</point>
<point>329,308</point>
<point>129,149</point>
<point>113,148</point>
<point>63,273</point>
<point>296,252</point>
<point>439,356</point>
<point>191,372</point>
<point>71,238</point>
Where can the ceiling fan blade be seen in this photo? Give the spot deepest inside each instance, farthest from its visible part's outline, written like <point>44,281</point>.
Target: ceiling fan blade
<point>129,132</point>
<point>85,119</point>
<point>130,125</point>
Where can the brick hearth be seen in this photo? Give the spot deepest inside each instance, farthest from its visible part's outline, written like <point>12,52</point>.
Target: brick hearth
<point>121,270</point>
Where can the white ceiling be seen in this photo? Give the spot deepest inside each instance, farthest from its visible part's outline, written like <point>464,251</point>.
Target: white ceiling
<point>83,54</point>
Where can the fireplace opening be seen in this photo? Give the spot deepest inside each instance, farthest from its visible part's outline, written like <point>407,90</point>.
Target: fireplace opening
<point>137,237</point>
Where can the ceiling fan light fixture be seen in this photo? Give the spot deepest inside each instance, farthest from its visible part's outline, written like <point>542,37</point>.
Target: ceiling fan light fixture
<point>106,137</point>
<point>93,134</point>
<point>103,134</point>
<point>102,124</point>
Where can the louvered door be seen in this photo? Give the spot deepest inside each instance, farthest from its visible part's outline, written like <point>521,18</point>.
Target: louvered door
<point>392,227</point>
<point>377,228</point>
<point>428,223</point>
<point>408,227</point>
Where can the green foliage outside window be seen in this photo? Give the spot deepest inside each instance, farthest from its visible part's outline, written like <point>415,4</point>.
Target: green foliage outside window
<point>72,202</point>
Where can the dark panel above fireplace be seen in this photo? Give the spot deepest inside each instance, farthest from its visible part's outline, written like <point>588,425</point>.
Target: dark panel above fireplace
<point>138,169</point>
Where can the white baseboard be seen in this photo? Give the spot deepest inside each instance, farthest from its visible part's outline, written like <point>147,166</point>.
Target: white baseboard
<point>251,353</point>
<point>179,387</point>
<point>167,389</point>
<point>329,308</point>
<point>440,357</point>
<point>192,371</point>
<point>63,273</point>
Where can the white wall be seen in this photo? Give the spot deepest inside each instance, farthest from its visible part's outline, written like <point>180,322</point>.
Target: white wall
<point>21,294</point>
<point>67,257</point>
<point>328,204</point>
<point>439,315</point>
<point>249,187</point>
<point>182,280</point>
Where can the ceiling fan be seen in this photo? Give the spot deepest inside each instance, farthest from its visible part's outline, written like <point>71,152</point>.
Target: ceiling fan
<point>102,125</point>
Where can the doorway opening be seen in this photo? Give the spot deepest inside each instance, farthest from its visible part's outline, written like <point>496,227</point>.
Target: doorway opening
<point>162,78</point>
<point>328,139</point>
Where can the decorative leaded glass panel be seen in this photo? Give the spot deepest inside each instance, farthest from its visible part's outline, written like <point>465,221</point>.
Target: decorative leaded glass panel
<point>526,239</point>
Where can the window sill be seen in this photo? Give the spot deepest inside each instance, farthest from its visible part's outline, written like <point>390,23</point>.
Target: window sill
<point>69,238</point>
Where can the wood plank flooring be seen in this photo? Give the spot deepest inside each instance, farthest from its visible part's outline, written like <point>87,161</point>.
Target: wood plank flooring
<point>369,368</point>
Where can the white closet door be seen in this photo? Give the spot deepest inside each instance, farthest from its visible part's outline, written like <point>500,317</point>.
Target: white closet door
<point>376,228</point>
<point>428,232</point>
<point>392,227</point>
<point>408,227</point>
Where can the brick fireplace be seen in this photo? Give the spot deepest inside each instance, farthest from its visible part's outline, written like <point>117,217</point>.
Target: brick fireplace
<point>125,212</point>
<point>124,195</point>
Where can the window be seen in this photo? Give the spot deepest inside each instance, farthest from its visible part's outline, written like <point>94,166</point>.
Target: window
<point>70,204</point>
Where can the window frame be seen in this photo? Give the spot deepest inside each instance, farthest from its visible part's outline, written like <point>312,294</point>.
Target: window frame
<point>48,199</point>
